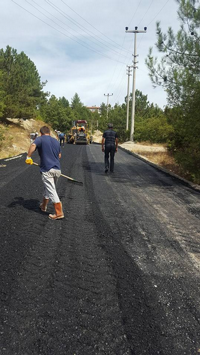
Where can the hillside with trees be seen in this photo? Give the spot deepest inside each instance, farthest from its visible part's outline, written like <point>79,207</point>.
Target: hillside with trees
<point>22,95</point>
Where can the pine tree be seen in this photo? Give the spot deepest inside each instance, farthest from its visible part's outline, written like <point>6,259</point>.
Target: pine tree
<point>178,71</point>
<point>22,87</point>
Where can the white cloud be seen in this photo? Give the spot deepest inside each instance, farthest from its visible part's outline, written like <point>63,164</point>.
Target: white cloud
<point>81,50</point>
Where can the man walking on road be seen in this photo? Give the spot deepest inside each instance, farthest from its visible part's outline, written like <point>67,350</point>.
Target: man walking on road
<point>49,152</point>
<point>110,139</point>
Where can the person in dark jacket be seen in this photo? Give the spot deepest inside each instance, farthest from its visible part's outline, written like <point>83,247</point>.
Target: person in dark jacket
<point>110,141</point>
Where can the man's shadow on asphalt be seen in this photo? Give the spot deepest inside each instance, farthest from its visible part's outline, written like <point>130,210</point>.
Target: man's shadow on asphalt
<point>32,204</point>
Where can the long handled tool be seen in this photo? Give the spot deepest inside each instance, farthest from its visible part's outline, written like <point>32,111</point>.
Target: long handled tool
<point>67,177</point>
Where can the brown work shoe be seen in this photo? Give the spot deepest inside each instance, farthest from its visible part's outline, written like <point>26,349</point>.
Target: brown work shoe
<point>59,211</point>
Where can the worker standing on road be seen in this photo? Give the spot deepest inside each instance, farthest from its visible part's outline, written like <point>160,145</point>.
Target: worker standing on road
<point>110,139</point>
<point>62,139</point>
<point>49,152</point>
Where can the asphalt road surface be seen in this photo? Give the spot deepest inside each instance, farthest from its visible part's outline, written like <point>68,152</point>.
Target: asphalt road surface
<point>118,276</point>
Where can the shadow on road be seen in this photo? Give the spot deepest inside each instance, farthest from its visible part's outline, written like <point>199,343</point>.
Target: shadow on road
<point>31,204</point>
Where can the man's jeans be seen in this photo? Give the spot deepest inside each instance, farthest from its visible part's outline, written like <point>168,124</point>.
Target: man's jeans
<point>109,155</point>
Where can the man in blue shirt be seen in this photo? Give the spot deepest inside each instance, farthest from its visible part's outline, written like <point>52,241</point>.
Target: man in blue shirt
<point>110,140</point>
<point>49,152</point>
<point>62,139</point>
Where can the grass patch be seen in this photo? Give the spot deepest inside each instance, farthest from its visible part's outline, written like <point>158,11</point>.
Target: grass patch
<point>166,161</point>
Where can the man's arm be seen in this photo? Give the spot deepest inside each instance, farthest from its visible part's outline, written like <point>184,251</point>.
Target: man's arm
<point>31,149</point>
<point>30,152</point>
<point>102,143</point>
<point>116,144</point>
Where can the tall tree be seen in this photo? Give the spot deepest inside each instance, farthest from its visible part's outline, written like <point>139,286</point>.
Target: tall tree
<point>76,102</point>
<point>179,73</point>
<point>103,108</point>
<point>58,115</point>
<point>179,69</point>
<point>21,84</point>
<point>64,101</point>
<point>2,105</point>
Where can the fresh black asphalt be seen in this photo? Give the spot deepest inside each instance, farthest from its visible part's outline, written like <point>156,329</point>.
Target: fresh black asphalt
<point>118,276</point>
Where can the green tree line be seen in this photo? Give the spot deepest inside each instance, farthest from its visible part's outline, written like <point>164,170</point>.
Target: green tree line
<point>22,95</point>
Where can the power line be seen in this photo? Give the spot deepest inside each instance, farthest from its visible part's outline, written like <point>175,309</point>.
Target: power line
<point>94,27</point>
<point>135,13</point>
<point>49,2</point>
<point>158,13</point>
<point>127,112</point>
<point>119,89</point>
<point>63,22</point>
<point>145,13</point>
<point>81,27</point>
<point>136,31</point>
<point>108,95</point>
<point>91,49</point>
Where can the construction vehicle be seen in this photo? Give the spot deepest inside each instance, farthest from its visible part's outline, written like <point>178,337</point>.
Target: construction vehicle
<point>79,133</point>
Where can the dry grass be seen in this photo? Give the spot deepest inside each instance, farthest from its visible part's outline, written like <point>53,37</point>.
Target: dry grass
<point>157,154</point>
<point>166,161</point>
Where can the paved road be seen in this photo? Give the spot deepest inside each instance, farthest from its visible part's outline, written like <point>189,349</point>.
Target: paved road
<point>118,276</point>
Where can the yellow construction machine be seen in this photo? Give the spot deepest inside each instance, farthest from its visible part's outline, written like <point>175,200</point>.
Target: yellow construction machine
<point>79,133</point>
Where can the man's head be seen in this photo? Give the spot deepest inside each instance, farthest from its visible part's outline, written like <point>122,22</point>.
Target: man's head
<point>44,130</point>
<point>110,125</point>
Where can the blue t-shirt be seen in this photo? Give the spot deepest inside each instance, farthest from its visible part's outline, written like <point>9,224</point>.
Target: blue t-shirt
<point>48,149</point>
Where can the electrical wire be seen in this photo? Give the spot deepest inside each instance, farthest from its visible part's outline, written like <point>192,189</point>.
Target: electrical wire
<point>82,28</point>
<point>146,12</point>
<point>119,86</point>
<point>141,37</point>
<point>67,25</point>
<point>158,12</point>
<point>77,41</point>
<point>120,47</point>
<point>135,12</point>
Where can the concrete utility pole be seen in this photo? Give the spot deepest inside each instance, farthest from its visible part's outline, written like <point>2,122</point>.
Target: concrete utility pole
<point>108,101</point>
<point>127,115</point>
<point>134,72</point>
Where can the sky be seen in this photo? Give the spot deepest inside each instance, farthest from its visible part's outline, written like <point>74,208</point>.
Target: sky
<point>80,46</point>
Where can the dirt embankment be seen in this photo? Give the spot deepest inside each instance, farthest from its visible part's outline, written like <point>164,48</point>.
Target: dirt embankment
<point>17,136</point>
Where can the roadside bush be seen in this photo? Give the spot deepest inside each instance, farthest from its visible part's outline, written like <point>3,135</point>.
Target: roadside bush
<point>154,130</point>
<point>2,137</point>
<point>185,143</point>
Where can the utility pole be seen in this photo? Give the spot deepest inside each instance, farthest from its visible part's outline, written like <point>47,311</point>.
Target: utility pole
<point>127,115</point>
<point>108,101</point>
<point>134,73</point>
